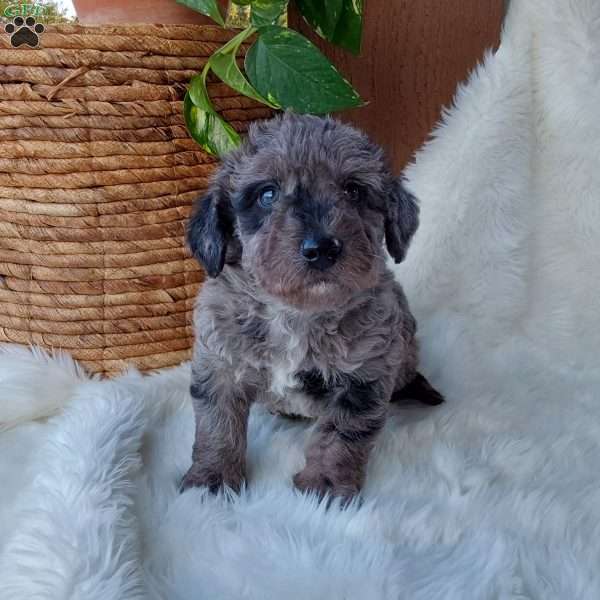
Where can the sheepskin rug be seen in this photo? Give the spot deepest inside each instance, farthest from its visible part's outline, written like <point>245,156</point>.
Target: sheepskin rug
<point>494,495</point>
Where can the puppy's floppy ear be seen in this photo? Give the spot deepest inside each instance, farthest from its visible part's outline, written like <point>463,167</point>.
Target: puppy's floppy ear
<point>401,221</point>
<point>209,230</point>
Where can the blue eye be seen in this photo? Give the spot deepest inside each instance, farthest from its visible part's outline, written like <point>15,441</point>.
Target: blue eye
<point>267,196</point>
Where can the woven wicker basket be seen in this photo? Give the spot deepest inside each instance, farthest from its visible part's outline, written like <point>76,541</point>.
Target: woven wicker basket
<point>97,174</point>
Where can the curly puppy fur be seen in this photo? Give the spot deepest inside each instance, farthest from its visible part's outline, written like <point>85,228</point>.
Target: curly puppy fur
<point>301,311</point>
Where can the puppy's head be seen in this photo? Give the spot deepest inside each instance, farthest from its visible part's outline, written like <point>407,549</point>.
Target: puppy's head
<point>304,205</point>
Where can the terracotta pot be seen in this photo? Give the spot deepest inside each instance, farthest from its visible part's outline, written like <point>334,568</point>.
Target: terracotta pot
<point>93,12</point>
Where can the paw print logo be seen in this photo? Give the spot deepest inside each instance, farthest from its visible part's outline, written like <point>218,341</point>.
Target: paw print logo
<point>24,32</point>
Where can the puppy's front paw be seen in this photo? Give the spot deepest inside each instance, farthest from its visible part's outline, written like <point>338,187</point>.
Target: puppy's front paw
<point>312,480</point>
<point>213,479</point>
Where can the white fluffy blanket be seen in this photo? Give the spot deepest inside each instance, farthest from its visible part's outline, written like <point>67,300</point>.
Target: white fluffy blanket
<point>493,495</point>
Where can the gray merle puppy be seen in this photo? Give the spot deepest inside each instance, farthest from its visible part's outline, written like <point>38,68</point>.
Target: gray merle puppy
<point>301,311</point>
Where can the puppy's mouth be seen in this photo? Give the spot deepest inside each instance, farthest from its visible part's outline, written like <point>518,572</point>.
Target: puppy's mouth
<point>313,293</point>
<point>323,286</point>
<point>318,277</point>
<point>321,281</point>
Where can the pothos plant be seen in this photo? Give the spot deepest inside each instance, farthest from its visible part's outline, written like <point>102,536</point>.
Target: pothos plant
<point>282,68</point>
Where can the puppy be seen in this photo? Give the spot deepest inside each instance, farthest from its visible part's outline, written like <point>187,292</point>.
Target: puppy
<point>301,311</point>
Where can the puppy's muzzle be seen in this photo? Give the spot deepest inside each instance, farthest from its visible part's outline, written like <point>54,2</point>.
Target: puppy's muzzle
<point>321,252</point>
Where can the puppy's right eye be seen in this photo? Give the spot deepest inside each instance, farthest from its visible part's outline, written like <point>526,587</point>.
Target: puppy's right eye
<point>353,191</point>
<point>267,196</point>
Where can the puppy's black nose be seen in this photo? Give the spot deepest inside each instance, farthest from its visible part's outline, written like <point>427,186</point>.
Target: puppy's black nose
<point>321,253</point>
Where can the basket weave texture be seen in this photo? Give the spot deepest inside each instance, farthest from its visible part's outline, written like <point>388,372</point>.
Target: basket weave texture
<point>97,176</point>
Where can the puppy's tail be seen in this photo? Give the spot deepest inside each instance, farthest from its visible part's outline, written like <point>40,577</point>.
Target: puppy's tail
<point>418,389</point>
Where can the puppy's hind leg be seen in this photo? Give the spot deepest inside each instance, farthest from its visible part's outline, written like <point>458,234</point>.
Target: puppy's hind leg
<point>418,389</point>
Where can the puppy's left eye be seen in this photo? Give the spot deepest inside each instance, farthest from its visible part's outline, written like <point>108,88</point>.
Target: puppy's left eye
<point>354,191</point>
<point>267,196</point>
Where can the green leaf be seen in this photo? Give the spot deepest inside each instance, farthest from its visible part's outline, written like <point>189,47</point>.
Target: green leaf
<point>224,65</point>
<point>338,21</point>
<point>348,33</point>
<point>198,92</point>
<point>288,69</point>
<point>210,8</point>
<point>208,128</point>
<point>215,135</point>
<point>267,12</point>
<point>322,15</point>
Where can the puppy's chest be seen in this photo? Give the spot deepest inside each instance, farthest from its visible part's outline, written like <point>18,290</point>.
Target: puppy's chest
<point>289,357</point>
<point>297,370</point>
